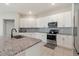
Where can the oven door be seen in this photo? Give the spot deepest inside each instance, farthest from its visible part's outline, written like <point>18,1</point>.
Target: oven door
<point>51,37</point>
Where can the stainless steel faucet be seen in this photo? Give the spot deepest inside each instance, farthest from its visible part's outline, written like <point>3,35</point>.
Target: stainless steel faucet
<point>12,32</point>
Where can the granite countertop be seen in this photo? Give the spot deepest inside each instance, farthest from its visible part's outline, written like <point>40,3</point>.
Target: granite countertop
<point>10,47</point>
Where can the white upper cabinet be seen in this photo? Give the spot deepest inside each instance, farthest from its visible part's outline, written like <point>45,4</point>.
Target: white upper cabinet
<point>63,19</point>
<point>52,18</point>
<point>27,22</point>
<point>42,22</point>
<point>67,19</point>
<point>60,19</point>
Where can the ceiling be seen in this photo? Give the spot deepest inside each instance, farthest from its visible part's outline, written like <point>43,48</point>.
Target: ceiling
<point>36,8</point>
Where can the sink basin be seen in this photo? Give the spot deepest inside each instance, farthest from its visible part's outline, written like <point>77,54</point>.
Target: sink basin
<point>18,36</point>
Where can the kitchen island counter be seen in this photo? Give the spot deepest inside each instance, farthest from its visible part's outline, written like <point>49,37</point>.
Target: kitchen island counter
<point>11,47</point>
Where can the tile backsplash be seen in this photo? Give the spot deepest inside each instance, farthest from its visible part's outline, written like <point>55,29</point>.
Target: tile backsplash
<point>62,30</point>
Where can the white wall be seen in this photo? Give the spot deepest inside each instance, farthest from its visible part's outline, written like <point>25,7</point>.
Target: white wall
<point>5,16</point>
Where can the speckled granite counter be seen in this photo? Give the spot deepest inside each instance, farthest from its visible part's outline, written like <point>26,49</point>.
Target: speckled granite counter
<point>11,47</point>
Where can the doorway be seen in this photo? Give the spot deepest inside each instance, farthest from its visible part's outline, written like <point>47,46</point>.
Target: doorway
<point>8,25</point>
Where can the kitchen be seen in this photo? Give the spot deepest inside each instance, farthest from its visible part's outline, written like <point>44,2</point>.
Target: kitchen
<point>34,17</point>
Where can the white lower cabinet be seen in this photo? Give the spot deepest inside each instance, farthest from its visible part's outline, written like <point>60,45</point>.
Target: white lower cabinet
<point>42,36</point>
<point>59,40</point>
<point>68,41</point>
<point>65,41</point>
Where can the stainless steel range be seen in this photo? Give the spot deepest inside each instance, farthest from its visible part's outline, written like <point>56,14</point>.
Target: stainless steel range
<point>51,35</point>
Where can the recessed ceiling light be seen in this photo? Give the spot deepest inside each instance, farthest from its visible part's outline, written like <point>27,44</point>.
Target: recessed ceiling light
<point>52,3</point>
<point>30,12</point>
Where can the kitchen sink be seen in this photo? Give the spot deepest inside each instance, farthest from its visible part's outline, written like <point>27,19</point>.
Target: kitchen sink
<point>18,36</point>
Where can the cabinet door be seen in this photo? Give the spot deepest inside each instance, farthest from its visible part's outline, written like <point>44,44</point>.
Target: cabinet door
<point>42,22</point>
<point>52,18</point>
<point>60,20</point>
<point>27,22</point>
<point>65,41</point>
<point>67,19</point>
<point>59,40</point>
<point>68,41</point>
<point>42,36</point>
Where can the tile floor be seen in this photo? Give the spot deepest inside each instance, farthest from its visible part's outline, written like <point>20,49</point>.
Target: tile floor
<point>40,50</point>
